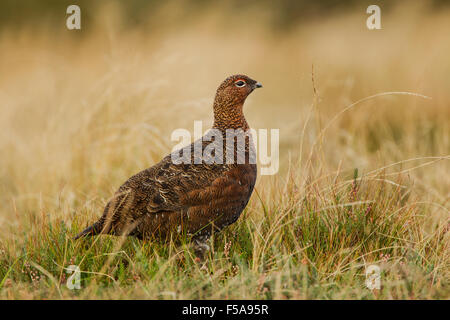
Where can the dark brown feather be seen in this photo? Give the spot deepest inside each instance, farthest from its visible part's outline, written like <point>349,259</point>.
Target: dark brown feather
<point>194,199</point>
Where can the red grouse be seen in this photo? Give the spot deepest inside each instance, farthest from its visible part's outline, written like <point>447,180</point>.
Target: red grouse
<point>196,190</point>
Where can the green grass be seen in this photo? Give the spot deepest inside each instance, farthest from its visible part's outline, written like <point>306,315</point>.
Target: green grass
<point>296,244</point>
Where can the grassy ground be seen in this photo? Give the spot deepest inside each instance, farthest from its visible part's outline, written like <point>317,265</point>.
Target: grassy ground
<point>364,173</point>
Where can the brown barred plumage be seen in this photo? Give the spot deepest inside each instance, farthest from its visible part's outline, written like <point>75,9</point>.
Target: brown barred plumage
<point>194,199</point>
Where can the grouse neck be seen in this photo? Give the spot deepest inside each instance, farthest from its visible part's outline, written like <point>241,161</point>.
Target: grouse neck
<point>229,117</point>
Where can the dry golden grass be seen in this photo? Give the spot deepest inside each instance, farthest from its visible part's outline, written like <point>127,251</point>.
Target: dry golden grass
<point>80,114</point>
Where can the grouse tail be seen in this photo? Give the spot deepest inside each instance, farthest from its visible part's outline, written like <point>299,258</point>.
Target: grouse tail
<point>89,231</point>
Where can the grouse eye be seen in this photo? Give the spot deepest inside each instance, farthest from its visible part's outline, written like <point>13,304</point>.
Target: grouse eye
<point>240,83</point>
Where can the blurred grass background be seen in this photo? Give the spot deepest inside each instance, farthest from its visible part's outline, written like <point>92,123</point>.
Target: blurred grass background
<point>83,110</point>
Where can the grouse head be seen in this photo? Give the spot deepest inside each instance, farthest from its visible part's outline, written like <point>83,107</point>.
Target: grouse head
<point>229,100</point>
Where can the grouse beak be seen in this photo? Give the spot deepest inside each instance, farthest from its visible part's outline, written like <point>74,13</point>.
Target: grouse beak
<point>258,85</point>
